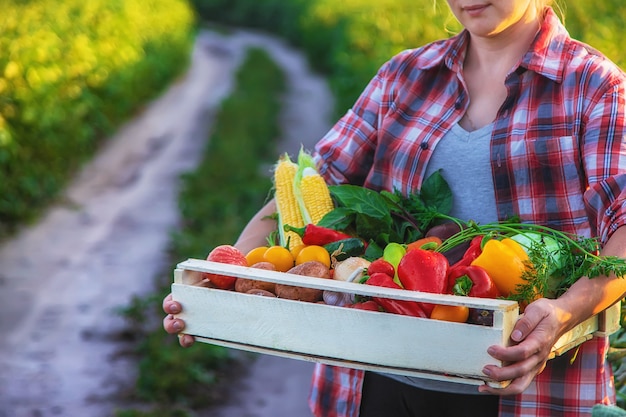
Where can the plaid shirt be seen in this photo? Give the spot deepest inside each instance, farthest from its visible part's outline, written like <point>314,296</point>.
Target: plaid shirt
<point>558,158</point>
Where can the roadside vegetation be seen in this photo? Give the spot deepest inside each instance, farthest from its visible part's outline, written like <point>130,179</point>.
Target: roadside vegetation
<point>70,73</point>
<point>216,201</point>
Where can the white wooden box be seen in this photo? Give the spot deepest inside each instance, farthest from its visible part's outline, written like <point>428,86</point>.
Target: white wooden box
<point>383,342</point>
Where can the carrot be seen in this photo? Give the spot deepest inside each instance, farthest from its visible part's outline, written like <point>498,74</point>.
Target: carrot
<point>426,243</point>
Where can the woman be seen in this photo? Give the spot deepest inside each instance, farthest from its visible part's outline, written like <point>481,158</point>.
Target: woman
<point>523,121</point>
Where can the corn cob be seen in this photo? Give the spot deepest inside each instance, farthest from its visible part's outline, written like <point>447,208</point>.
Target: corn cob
<point>311,190</point>
<point>286,204</point>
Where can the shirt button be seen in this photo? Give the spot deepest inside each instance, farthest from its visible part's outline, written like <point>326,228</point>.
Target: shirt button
<point>424,145</point>
<point>458,104</point>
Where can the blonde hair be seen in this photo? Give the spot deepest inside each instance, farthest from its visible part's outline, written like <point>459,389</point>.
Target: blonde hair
<point>555,4</point>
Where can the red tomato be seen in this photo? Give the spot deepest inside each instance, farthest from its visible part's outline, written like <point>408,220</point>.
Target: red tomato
<point>225,254</point>
<point>381,265</point>
<point>366,305</point>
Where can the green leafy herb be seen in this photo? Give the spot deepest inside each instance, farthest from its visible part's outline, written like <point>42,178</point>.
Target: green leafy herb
<point>383,217</point>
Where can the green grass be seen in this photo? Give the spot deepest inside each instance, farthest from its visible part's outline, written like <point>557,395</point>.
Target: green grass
<point>216,201</point>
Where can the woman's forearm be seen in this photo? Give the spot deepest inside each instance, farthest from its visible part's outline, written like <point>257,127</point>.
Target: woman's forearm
<point>589,296</point>
<point>258,229</point>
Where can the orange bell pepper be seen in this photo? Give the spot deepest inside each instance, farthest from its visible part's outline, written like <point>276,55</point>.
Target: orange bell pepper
<point>457,314</point>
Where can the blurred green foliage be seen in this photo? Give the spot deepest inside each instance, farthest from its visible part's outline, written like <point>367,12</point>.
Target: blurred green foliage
<point>70,72</point>
<point>348,40</point>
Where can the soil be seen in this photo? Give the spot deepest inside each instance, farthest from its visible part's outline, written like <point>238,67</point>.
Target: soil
<point>62,279</point>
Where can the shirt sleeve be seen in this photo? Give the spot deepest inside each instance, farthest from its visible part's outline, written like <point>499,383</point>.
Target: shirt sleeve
<point>605,163</point>
<point>345,153</point>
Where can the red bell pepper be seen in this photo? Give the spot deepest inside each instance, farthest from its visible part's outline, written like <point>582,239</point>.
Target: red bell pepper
<point>402,307</point>
<point>312,234</point>
<point>472,281</point>
<point>423,270</point>
<point>472,252</point>
<point>426,271</point>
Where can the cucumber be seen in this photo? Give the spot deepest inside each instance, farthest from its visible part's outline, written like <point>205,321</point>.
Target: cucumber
<point>600,410</point>
<point>346,248</point>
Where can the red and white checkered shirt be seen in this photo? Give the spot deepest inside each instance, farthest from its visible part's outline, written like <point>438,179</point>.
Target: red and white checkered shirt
<point>558,158</point>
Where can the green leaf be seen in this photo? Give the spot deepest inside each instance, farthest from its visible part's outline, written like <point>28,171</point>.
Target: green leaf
<point>618,339</point>
<point>339,218</point>
<point>362,200</point>
<point>407,233</point>
<point>436,193</point>
<point>373,251</point>
<point>368,227</point>
<point>393,200</point>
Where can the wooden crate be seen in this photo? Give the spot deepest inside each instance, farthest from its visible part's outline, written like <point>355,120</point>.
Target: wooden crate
<point>383,342</point>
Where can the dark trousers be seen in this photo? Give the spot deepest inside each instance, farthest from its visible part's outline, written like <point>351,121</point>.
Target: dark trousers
<point>386,397</point>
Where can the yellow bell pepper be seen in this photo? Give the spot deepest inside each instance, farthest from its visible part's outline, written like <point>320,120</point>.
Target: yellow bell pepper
<point>505,262</point>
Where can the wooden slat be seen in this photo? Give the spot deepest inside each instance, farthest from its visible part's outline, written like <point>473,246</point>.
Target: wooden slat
<point>337,333</point>
<point>406,372</point>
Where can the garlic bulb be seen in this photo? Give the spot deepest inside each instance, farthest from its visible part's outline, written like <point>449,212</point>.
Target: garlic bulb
<point>349,270</point>
<point>335,298</point>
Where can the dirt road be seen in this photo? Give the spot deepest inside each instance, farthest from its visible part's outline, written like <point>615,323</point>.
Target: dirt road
<point>62,278</point>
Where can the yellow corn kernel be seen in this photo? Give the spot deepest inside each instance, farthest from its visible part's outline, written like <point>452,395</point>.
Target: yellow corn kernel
<point>315,196</point>
<point>286,204</point>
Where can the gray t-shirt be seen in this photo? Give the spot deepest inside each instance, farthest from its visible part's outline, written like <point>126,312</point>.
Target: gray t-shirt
<point>464,160</point>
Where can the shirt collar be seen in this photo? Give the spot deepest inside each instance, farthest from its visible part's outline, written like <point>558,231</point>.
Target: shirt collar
<point>450,52</point>
<point>546,55</point>
<point>548,51</point>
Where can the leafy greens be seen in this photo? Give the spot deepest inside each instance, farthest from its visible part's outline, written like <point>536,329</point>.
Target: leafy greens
<point>384,217</point>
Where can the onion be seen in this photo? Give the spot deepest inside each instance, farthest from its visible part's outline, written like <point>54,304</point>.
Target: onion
<point>344,270</point>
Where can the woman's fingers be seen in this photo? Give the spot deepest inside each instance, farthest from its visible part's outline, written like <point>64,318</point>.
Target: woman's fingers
<point>186,340</point>
<point>516,386</point>
<point>170,306</point>
<point>173,325</point>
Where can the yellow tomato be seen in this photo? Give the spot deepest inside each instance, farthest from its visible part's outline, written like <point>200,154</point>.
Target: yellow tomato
<point>256,255</point>
<point>313,253</point>
<point>296,250</point>
<point>280,257</point>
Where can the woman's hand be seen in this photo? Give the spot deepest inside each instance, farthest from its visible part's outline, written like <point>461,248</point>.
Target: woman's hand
<point>545,320</point>
<point>173,325</point>
<point>533,337</point>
